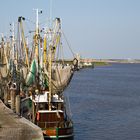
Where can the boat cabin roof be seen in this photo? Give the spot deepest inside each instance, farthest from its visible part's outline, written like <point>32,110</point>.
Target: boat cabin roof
<point>52,111</point>
<point>42,98</point>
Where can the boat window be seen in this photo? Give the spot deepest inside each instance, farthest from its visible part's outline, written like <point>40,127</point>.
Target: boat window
<point>43,106</point>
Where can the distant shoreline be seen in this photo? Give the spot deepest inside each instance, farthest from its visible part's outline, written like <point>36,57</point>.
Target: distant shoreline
<point>111,60</point>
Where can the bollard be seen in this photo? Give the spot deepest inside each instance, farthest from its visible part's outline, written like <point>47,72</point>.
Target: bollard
<point>18,104</point>
<point>13,99</point>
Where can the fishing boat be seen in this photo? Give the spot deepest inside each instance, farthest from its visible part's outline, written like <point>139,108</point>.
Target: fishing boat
<point>37,80</point>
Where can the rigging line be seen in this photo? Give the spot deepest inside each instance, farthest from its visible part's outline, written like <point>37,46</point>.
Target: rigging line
<point>50,18</point>
<point>30,21</point>
<point>57,56</point>
<point>69,107</point>
<point>30,43</point>
<point>43,22</point>
<point>52,82</point>
<point>28,28</point>
<point>68,44</point>
<point>18,41</point>
<point>62,52</point>
<point>28,33</point>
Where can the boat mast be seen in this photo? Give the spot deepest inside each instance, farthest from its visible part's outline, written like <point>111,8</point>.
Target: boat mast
<point>13,40</point>
<point>24,40</point>
<point>50,59</point>
<point>50,77</point>
<point>50,69</point>
<point>45,50</point>
<point>37,37</point>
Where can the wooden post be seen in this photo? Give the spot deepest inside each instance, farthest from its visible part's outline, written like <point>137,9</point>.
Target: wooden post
<point>18,104</point>
<point>13,93</point>
<point>33,106</point>
<point>33,112</point>
<point>6,96</point>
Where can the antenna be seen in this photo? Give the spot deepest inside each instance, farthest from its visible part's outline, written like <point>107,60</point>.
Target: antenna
<point>37,21</point>
<point>13,39</point>
<point>13,31</point>
<point>50,12</point>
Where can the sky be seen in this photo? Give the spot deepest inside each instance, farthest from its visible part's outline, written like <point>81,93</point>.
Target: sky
<point>101,29</point>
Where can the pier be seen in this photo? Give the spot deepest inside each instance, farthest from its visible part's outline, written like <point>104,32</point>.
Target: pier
<point>14,127</point>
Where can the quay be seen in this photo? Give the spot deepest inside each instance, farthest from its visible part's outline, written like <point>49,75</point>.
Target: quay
<point>14,127</point>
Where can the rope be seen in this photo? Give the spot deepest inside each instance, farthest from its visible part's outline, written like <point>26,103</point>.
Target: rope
<point>68,44</point>
<point>62,53</point>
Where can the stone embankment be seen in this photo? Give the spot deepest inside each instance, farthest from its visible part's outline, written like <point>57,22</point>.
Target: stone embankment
<point>13,127</point>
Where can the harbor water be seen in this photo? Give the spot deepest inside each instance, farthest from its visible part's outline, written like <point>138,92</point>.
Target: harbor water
<point>105,102</point>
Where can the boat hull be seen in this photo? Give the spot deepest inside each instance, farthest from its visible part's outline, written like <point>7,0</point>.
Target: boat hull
<point>59,138</point>
<point>58,133</point>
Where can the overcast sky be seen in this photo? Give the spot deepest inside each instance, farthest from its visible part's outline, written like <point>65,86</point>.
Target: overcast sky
<point>94,28</point>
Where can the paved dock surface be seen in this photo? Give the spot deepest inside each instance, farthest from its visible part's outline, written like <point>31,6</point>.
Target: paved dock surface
<point>13,127</point>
